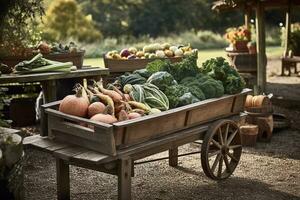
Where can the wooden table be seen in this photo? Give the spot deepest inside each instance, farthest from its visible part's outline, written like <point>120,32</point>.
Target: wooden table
<point>243,61</point>
<point>288,63</point>
<point>48,80</point>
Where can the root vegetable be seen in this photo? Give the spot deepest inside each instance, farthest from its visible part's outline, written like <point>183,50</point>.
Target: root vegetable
<point>95,108</point>
<point>134,115</point>
<point>113,94</point>
<point>127,97</point>
<point>107,100</point>
<point>75,104</point>
<point>123,115</point>
<point>105,118</point>
<point>139,105</point>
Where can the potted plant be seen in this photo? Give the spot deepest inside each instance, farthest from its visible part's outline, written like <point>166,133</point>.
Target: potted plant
<point>238,37</point>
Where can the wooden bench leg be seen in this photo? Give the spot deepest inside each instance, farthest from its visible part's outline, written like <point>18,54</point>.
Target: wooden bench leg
<point>124,179</point>
<point>63,180</point>
<point>173,157</point>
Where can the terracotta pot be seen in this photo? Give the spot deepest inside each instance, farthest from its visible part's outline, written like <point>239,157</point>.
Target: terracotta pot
<point>241,45</point>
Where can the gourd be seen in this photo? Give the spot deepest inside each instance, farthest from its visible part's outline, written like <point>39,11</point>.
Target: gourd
<point>155,98</point>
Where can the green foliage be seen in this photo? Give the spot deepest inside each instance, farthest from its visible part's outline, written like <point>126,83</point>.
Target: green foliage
<point>17,25</point>
<point>219,69</point>
<point>162,80</point>
<point>65,20</point>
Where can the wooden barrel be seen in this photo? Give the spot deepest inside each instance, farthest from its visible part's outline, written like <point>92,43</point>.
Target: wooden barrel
<point>249,134</point>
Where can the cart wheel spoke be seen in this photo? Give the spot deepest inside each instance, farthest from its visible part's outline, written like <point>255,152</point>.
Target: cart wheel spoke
<point>231,137</point>
<point>217,160</point>
<point>235,146</point>
<point>226,134</point>
<point>220,167</point>
<point>228,168</point>
<point>220,136</point>
<point>213,153</point>
<point>232,157</point>
<point>221,149</point>
<point>217,144</point>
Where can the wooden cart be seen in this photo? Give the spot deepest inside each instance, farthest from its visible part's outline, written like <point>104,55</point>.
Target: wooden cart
<point>114,148</point>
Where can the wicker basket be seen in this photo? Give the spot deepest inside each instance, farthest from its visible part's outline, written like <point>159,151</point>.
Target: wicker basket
<point>130,65</point>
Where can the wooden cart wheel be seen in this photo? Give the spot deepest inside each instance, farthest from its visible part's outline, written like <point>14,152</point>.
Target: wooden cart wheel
<point>221,149</point>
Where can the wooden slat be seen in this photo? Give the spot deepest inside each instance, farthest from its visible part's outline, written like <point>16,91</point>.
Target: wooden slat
<point>14,78</point>
<point>68,152</point>
<point>89,156</point>
<point>62,180</point>
<point>77,119</point>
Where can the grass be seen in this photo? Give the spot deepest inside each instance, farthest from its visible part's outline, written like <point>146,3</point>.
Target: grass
<point>203,55</point>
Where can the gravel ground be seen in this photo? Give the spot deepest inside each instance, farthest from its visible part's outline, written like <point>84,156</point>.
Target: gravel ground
<point>267,172</point>
<point>263,173</point>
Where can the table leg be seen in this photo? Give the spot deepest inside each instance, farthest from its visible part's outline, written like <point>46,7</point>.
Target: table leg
<point>63,180</point>
<point>124,179</point>
<point>173,157</point>
<point>49,89</point>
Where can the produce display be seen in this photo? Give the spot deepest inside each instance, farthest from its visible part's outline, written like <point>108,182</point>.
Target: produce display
<point>38,64</point>
<point>57,48</point>
<point>162,85</point>
<point>152,51</point>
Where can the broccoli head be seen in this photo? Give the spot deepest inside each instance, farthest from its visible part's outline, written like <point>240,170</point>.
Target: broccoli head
<point>174,92</point>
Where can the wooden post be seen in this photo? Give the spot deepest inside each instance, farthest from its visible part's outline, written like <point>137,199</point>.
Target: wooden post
<point>124,179</point>
<point>261,48</point>
<point>173,157</point>
<point>247,17</point>
<point>49,89</point>
<point>63,180</point>
<point>287,29</point>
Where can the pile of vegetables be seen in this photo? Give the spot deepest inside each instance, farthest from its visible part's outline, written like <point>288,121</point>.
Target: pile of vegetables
<point>152,51</point>
<point>57,48</point>
<point>38,64</point>
<point>109,105</point>
<point>160,86</point>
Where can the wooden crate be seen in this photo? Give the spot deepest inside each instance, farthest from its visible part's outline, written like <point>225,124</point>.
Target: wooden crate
<point>132,64</point>
<point>108,138</point>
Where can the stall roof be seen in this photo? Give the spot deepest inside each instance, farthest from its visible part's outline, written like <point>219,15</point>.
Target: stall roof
<point>241,4</point>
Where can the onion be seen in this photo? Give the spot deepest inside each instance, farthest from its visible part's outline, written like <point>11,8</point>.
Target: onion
<point>134,115</point>
<point>105,118</point>
<point>75,104</point>
<point>95,108</point>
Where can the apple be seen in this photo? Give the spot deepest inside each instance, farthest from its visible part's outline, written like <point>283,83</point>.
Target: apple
<point>169,53</point>
<point>132,50</point>
<point>139,54</point>
<point>125,53</point>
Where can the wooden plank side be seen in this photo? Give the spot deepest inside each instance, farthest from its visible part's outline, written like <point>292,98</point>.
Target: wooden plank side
<point>61,115</point>
<point>239,104</point>
<point>99,146</point>
<point>151,128</point>
<point>210,111</point>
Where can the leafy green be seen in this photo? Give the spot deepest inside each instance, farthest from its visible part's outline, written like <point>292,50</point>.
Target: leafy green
<point>174,92</point>
<point>187,98</point>
<point>129,79</point>
<point>157,65</point>
<point>154,97</point>
<point>187,67</point>
<point>179,70</point>
<point>162,80</point>
<point>219,69</point>
<point>143,73</point>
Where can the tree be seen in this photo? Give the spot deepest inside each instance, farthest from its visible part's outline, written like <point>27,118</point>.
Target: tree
<point>65,20</point>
